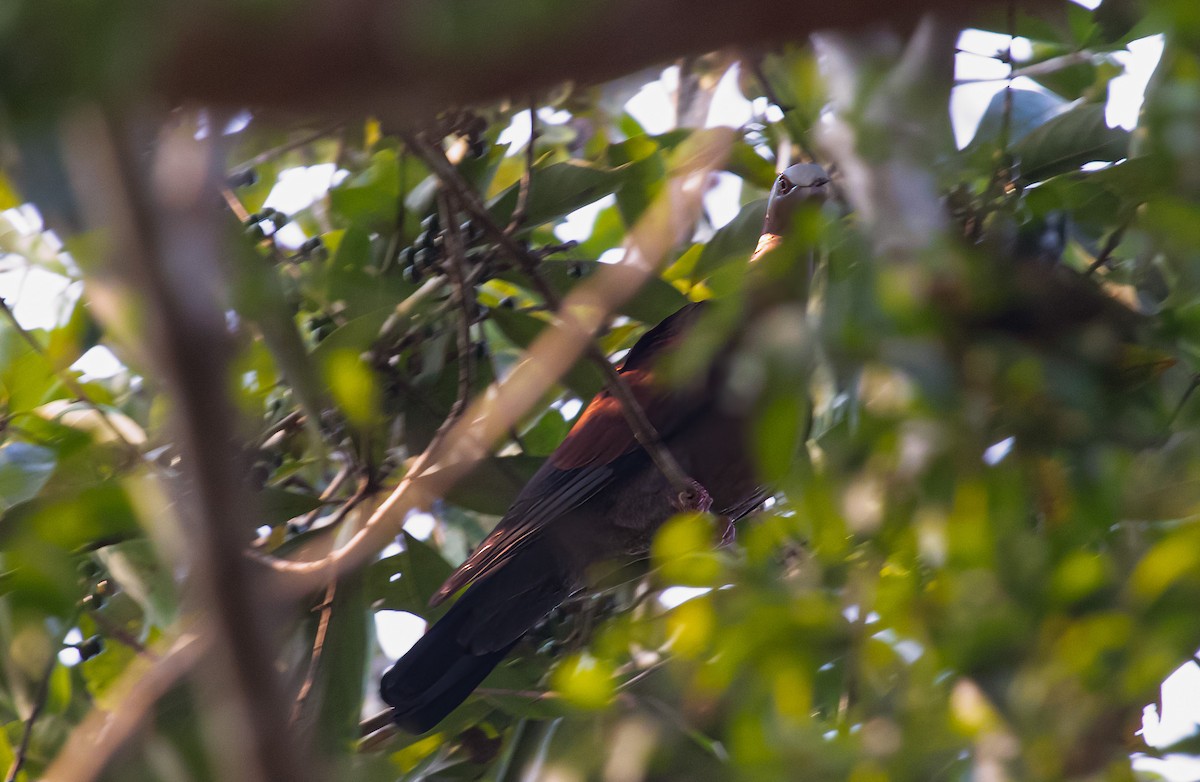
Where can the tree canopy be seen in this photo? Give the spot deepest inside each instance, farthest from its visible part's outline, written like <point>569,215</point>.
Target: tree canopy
<point>975,409</point>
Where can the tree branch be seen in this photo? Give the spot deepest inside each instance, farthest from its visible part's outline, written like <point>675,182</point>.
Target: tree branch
<point>494,412</point>
<point>420,62</point>
<point>102,734</point>
<point>518,214</point>
<point>635,416</point>
<point>39,700</point>
<point>163,221</point>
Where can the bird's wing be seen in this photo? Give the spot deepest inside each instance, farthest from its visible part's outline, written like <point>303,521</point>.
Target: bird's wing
<point>594,451</point>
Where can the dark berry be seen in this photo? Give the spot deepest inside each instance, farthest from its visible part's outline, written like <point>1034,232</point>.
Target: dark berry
<point>90,647</point>
<point>244,178</point>
<point>424,257</point>
<point>432,224</point>
<point>508,303</point>
<point>412,275</point>
<point>479,149</point>
<point>89,569</point>
<point>575,270</point>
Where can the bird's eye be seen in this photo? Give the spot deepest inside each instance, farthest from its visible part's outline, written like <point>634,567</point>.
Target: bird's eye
<point>785,185</point>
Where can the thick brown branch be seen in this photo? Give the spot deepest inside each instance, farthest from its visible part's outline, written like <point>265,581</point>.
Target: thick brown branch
<point>164,224</point>
<point>424,56</point>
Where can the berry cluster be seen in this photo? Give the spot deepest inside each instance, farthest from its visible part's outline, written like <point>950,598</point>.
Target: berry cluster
<point>255,223</point>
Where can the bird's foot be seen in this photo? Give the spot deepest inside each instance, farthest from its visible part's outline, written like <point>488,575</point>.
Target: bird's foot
<point>694,498</point>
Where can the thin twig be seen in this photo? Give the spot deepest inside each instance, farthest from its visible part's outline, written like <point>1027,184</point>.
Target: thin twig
<point>235,205</point>
<point>639,423</point>
<point>518,214</point>
<point>1110,245</point>
<point>463,297</point>
<point>326,607</point>
<point>72,385</point>
<point>110,629</point>
<point>1052,65</point>
<point>1006,117</point>
<point>39,699</point>
<point>314,659</point>
<point>376,722</point>
<point>642,674</point>
<point>284,148</point>
<point>1183,400</point>
<point>377,738</point>
<point>532,695</point>
<point>294,418</point>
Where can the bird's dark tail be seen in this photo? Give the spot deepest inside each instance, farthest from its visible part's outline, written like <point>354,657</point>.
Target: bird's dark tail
<point>478,631</point>
<point>437,674</point>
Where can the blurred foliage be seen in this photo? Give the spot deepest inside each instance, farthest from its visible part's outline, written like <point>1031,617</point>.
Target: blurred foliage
<point>980,565</point>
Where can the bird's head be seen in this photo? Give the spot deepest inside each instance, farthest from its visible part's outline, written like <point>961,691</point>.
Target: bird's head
<point>799,184</point>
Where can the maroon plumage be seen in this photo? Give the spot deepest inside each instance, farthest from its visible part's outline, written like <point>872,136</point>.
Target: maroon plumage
<point>598,496</point>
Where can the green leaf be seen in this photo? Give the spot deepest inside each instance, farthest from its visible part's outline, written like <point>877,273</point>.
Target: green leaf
<point>280,505</point>
<point>344,665</point>
<point>607,232</point>
<point>1116,18</point>
<point>558,190</point>
<point>24,470</point>
<point>74,338</point>
<point>355,388</point>
<point>8,196</point>
<point>103,671</point>
<point>1030,109</point>
<point>655,300</point>
<point>136,567</point>
<point>779,431</point>
<point>734,242</point>
<point>373,196</point>
<point>545,434</point>
<point>493,484</point>
<point>355,336</point>
<point>29,381</point>
<point>522,329</point>
<point>70,520</point>
<point>750,166</point>
<point>645,173</point>
<point>1069,140</point>
<point>406,581</point>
